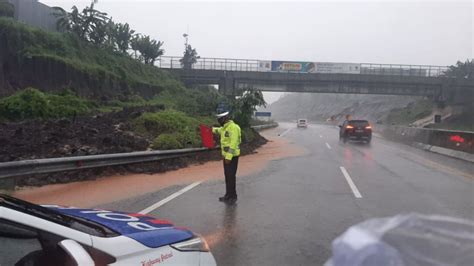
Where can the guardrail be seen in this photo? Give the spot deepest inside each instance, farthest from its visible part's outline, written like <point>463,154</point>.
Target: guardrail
<point>51,165</point>
<point>254,65</point>
<point>449,139</point>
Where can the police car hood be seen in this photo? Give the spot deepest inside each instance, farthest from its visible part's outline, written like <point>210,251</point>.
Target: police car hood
<point>145,229</point>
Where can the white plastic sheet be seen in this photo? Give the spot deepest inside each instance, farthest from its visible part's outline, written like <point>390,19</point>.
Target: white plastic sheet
<point>406,240</point>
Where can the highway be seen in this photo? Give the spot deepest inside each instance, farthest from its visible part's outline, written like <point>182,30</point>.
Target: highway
<point>289,213</point>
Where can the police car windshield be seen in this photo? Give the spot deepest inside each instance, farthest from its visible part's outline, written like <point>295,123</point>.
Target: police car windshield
<point>56,217</point>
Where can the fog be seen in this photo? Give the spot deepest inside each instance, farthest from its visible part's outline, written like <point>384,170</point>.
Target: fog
<point>397,32</point>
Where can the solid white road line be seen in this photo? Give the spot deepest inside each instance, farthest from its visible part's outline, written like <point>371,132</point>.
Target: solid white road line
<point>327,145</point>
<point>350,182</point>
<point>169,198</point>
<point>284,132</point>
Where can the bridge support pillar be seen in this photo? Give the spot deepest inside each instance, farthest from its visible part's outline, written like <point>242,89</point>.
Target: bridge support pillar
<point>227,86</point>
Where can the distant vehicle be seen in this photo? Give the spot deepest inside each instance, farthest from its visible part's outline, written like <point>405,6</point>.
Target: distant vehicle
<point>302,123</point>
<point>56,235</point>
<point>355,130</point>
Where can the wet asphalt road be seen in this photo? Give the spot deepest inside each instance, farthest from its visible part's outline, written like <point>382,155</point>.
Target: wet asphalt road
<point>289,213</point>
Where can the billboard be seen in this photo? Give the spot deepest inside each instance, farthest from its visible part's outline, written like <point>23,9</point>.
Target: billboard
<point>287,66</point>
<point>264,66</point>
<point>346,68</point>
<point>314,67</point>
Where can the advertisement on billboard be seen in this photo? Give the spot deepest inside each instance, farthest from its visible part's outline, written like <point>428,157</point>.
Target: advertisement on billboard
<point>287,66</point>
<point>346,68</point>
<point>265,66</point>
<point>314,67</point>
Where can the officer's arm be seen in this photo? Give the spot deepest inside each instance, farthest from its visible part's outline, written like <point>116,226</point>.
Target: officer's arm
<point>234,143</point>
<point>216,130</point>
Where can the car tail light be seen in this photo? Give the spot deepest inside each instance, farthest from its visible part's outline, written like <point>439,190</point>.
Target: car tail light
<point>194,244</point>
<point>349,127</point>
<point>368,127</point>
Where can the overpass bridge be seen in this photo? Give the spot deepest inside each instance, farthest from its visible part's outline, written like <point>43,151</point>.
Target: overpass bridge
<point>234,75</point>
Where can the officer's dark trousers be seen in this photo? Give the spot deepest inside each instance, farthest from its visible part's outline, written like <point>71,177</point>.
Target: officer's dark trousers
<point>230,170</point>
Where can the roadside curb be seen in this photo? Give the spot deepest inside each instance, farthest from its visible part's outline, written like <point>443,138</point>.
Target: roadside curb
<point>444,151</point>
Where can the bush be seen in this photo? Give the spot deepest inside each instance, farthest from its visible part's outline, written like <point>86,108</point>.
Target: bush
<point>248,135</point>
<point>166,142</point>
<point>32,103</point>
<point>183,128</point>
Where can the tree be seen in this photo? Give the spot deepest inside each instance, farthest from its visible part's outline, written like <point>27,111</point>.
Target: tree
<point>6,9</point>
<point>123,36</point>
<point>102,34</point>
<point>461,70</point>
<point>149,49</point>
<point>190,57</point>
<point>245,106</point>
<point>68,22</point>
<point>93,20</point>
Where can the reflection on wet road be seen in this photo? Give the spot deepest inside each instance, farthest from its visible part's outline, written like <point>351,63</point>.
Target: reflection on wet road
<point>289,213</point>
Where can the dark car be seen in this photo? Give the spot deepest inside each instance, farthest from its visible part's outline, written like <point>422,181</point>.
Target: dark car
<point>355,130</point>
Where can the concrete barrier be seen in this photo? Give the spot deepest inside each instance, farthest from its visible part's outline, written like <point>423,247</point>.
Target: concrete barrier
<point>462,141</point>
<point>266,126</point>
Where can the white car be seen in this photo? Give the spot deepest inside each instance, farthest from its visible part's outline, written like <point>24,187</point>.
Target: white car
<point>31,234</point>
<point>302,123</point>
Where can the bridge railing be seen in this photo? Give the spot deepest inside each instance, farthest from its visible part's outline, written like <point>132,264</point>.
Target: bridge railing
<point>255,65</point>
<point>211,64</point>
<point>402,70</point>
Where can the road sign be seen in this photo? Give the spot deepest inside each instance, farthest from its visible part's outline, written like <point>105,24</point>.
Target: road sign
<point>263,114</point>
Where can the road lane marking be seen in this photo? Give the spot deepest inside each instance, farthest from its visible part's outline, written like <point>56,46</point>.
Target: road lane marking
<point>285,132</point>
<point>327,145</point>
<point>320,136</point>
<point>169,198</point>
<point>351,183</point>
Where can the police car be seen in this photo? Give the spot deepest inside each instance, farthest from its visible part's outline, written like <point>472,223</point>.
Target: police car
<point>31,234</point>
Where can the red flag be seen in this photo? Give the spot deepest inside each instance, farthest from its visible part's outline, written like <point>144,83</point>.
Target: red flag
<point>206,136</point>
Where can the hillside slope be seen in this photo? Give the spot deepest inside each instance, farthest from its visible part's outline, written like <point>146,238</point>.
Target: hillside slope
<point>32,57</point>
<point>319,107</point>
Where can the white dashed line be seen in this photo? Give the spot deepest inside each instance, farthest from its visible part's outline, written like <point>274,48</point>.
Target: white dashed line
<point>327,145</point>
<point>169,198</point>
<point>285,132</point>
<point>351,183</point>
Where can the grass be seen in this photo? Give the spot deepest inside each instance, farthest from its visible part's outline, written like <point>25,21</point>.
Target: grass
<point>463,122</point>
<point>32,103</point>
<point>411,113</point>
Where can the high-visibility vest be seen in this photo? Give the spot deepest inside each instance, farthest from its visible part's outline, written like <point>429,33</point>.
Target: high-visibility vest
<point>230,139</point>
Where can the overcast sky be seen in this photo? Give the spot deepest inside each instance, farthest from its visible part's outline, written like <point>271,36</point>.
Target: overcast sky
<point>398,32</point>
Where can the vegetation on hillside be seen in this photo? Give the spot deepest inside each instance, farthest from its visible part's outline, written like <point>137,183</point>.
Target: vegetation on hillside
<point>23,42</point>
<point>95,27</point>
<point>411,113</point>
<point>6,9</point>
<point>32,103</point>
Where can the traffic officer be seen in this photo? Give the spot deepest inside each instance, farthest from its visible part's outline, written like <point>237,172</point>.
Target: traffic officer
<point>230,139</point>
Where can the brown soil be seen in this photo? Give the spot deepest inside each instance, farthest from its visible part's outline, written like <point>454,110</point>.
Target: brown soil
<point>119,187</point>
<point>102,134</point>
